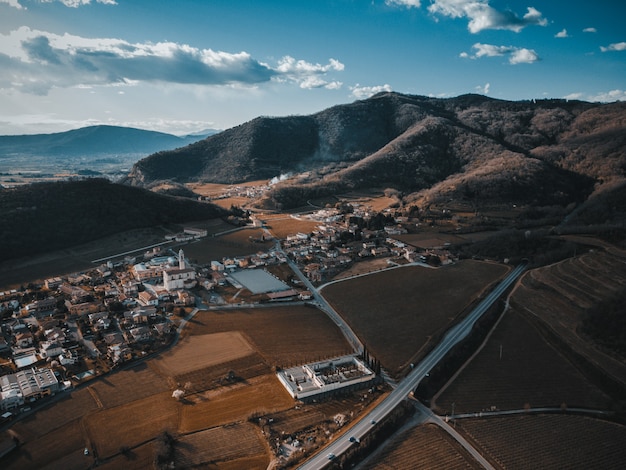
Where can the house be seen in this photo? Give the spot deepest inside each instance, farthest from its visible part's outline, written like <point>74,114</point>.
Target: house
<point>50,349</point>
<point>44,305</point>
<point>83,308</point>
<point>119,352</point>
<point>141,334</point>
<point>148,298</point>
<point>11,396</point>
<point>24,339</point>
<point>53,283</point>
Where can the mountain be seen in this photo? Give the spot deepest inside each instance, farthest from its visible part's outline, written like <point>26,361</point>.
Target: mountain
<point>94,141</point>
<point>470,147</point>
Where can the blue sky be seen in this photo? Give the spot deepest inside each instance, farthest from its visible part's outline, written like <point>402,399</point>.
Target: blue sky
<point>183,66</point>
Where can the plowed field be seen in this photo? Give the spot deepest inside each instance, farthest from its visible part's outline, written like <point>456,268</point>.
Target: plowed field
<point>400,312</point>
<point>557,296</point>
<point>548,441</point>
<point>283,335</point>
<point>423,447</point>
<point>526,371</point>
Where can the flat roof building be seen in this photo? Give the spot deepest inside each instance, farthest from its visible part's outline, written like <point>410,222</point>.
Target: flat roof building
<point>317,378</point>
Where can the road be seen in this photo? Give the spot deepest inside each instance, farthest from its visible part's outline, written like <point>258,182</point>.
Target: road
<point>412,380</point>
<point>321,303</point>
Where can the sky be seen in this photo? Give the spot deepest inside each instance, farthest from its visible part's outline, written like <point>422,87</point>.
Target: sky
<point>188,65</point>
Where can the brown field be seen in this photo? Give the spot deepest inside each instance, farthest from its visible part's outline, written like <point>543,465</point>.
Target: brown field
<point>67,409</point>
<point>283,335</point>
<point>127,385</point>
<point>207,410</point>
<point>247,463</point>
<point>221,444</point>
<point>399,313</point>
<point>138,458</point>
<point>283,225</point>
<point>548,441</point>
<point>363,267</point>
<point>430,239</point>
<point>215,376</point>
<point>199,351</point>
<point>530,372</point>
<point>132,424</point>
<point>427,447</point>
<point>558,295</point>
<point>61,448</point>
<point>237,243</point>
<point>293,420</point>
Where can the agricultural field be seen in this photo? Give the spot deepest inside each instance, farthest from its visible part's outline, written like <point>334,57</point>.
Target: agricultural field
<point>78,404</point>
<point>220,445</point>
<point>400,313</point>
<point>517,368</point>
<point>137,382</point>
<point>558,295</point>
<point>422,447</point>
<point>282,225</point>
<point>61,448</point>
<point>200,351</point>
<point>282,335</point>
<point>547,441</point>
<point>215,408</point>
<point>131,424</point>
<point>242,242</point>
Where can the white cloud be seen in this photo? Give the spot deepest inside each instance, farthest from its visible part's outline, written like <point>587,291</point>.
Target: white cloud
<point>574,96</point>
<point>609,96</point>
<point>483,89</point>
<point>604,97</point>
<point>617,46</point>
<point>13,3</point>
<point>35,61</point>
<point>362,92</point>
<point>78,3</point>
<point>404,3</point>
<point>517,55</point>
<point>561,34</point>
<point>590,30</point>
<point>482,16</point>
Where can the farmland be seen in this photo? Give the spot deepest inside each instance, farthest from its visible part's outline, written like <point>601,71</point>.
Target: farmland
<point>236,243</point>
<point>526,372</point>
<point>222,362</point>
<point>199,351</point>
<point>222,444</point>
<point>400,313</point>
<point>548,441</point>
<point>557,296</point>
<point>283,225</point>
<point>426,446</point>
<point>282,335</point>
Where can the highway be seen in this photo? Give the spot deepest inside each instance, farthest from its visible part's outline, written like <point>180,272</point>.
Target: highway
<point>412,380</point>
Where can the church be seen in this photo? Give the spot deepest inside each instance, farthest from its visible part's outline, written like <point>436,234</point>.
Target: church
<point>181,277</point>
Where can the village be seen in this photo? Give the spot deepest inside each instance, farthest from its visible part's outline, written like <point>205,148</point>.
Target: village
<point>71,329</point>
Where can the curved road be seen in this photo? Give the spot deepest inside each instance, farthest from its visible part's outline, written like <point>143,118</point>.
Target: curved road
<point>412,380</point>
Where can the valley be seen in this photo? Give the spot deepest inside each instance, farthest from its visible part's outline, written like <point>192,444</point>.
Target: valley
<point>160,310</point>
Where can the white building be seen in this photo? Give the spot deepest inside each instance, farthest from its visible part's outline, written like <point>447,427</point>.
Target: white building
<point>316,378</point>
<point>181,277</point>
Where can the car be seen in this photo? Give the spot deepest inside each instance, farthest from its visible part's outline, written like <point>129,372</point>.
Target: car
<point>86,451</point>
<point>354,439</point>
<point>331,456</point>
<point>373,421</point>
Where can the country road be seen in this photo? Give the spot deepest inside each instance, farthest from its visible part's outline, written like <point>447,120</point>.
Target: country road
<point>412,380</point>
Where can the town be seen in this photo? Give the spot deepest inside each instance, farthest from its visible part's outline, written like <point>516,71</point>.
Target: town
<point>73,328</point>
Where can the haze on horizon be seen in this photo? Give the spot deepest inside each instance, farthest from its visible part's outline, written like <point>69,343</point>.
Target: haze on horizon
<point>182,67</point>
